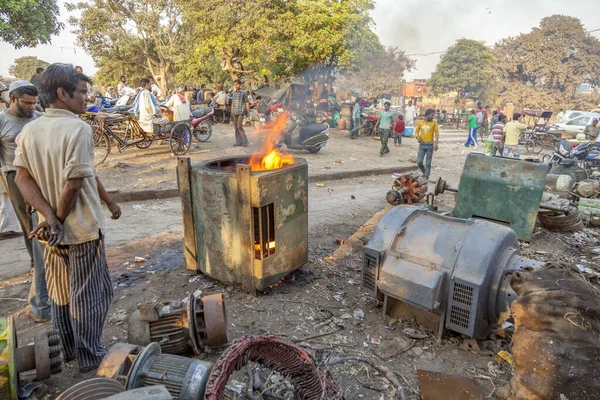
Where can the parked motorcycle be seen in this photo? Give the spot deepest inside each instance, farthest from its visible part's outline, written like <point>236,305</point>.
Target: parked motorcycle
<point>202,124</point>
<point>569,160</point>
<point>305,137</point>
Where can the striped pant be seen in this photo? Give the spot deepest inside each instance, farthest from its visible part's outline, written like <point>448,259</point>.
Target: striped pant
<point>80,291</point>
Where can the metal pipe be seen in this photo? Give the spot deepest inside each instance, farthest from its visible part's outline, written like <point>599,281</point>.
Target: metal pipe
<point>565,209</point>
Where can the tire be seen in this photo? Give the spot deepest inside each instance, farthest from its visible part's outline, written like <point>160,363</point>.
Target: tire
<point>534,146</point>
<point>180,139</point>
<point>575,172</point>
<point>101,149</point>
<point>144,144</point>
<point>314,149</point>
<point>203,131</point>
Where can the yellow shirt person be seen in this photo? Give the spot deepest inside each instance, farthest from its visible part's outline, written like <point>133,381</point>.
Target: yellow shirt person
<point>426,132</point>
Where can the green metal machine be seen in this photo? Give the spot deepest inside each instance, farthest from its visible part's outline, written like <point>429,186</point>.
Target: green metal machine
<point>45,356</point>
<point>499,189</point>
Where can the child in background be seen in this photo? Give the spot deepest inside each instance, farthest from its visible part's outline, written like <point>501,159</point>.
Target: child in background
<point>399,126</point>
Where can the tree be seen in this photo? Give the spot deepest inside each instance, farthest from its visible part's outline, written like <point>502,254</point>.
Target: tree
<point>544,67</point>
<point>27,23</point>
<point>139,36</point>
<point>270,40</point>
<point>465,68</point>
<point>24,67</point>
<point>381,74</point>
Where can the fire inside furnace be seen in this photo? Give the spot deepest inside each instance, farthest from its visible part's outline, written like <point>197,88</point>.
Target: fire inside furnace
<point>270,135</point>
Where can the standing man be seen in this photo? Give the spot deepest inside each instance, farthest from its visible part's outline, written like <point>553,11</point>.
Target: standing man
<point>23,101</point>
<point>427,134</point>
<point>495,117</point>
<point>399,127</point>
<point>472,139</point>
<point>55,173</point>
<point>201,95</point>
<point>410,113</point>
<point>510,138</point>
<point>497,133</point>
<point>591,131</point>
<point>384,125</point>
<point>36,79</point>
<point>122,85</point>
<point>239,107</point>
<point>560,116</point>
<point>356,114</point>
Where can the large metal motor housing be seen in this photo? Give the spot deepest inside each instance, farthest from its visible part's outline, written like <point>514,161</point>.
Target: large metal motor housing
<point>137,367</point>
<point>453,267</point>
<point>179,327</point>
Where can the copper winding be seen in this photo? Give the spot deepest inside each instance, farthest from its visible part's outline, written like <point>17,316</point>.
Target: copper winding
<point>279,355</point>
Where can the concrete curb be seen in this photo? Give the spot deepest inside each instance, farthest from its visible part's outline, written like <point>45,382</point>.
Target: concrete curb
<point>141,195</point>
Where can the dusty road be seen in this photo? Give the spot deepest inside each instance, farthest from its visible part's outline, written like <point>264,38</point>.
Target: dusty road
<point>320,298</point>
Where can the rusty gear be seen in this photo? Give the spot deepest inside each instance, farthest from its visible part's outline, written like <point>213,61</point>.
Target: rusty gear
<point>279,355</point>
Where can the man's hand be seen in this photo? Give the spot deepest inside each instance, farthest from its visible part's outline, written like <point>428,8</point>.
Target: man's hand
<point>115,210</point>
<point>435,147</point>
<point>419,139</point>
<point>51,231</point>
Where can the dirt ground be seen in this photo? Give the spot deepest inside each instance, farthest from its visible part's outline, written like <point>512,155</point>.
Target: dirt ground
<point>315,305</point>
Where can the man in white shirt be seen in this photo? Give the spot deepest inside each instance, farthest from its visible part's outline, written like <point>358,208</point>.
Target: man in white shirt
<point>410,113</point>
<point>180,106</point>
<point>147,108</point>
<point>154,88</point>
<point>122,87</point>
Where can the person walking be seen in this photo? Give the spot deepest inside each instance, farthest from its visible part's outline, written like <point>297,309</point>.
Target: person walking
<point>410,113</point>
<point>399,126</point>
<point>239,108</point>
<point>384,126</point>
<point>56,175</point>
<point>23,101</point>
<point>496,135</point>
<point>356,114</point>
<point>510,137</point>
<point>472,139</point>
<point>427,133</point>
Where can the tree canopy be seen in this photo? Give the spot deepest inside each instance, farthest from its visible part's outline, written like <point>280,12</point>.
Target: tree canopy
<point>135,37</point>
<point>24,67</point>
<point>464,68</point>
<point>27,23</point>
<point>263,40</point>
<point>382,73</point>
<point>544,67</point>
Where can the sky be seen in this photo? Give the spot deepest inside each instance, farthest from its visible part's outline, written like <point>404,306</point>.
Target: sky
<point>415,26</point>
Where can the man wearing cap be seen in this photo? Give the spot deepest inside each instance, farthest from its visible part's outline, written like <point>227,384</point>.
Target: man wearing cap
<point>23,100</point>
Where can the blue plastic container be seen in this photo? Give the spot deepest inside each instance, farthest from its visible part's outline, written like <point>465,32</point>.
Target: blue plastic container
<point>409,131</point>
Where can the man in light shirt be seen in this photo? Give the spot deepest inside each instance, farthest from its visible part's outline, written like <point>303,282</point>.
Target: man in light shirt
<point>56,175</point>
<point>510,138</point>
<point>23,101</point>
<point>410,113</point>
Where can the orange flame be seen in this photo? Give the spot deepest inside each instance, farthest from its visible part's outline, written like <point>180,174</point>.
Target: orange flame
<point>268,157</point>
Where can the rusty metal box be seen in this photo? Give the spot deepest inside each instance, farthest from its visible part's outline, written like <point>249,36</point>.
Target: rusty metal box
<point>243,226</point>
